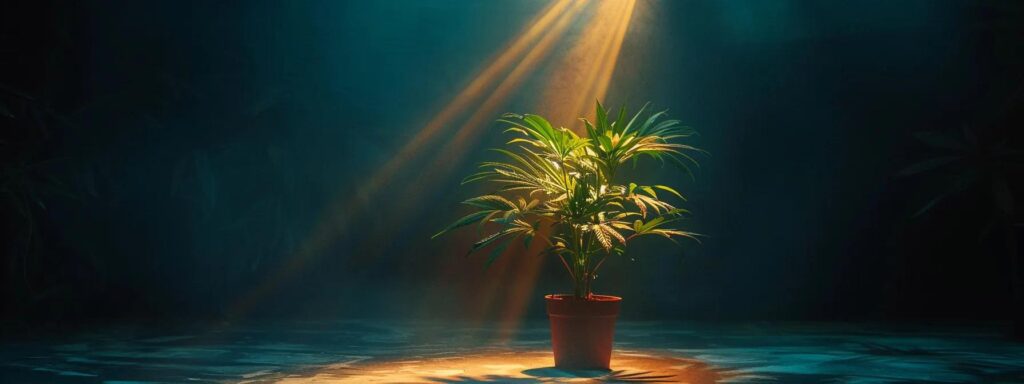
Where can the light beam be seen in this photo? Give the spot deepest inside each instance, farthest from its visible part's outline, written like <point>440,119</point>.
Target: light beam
<point>335,220</point>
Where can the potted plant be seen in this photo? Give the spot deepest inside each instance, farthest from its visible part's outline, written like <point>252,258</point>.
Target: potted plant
<point>572,192</point>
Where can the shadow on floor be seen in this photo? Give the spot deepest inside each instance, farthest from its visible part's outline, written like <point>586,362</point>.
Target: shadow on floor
<point>548,374</point>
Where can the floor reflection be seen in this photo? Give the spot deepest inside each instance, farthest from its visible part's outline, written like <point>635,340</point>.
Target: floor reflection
<point>518,366</point>
<point>404,352</point>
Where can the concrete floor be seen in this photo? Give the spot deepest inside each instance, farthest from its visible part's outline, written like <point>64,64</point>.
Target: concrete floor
<point>396,352</point>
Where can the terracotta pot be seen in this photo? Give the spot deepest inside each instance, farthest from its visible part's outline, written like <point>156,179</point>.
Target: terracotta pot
<point>582,330</point>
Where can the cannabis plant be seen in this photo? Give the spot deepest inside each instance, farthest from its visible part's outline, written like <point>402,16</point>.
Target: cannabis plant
<point>573,193</point>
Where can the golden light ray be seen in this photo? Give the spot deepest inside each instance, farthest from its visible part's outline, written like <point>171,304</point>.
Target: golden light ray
<point>334,221</point>
<point>471,129</point>
<point>510,283</point>
<point>471,93</point>
<point>601,41</point>
<point>604,78</point>
<point>603,38</point>
<point>487,110</point>
<point>457,146</point>
<point>572,80</point>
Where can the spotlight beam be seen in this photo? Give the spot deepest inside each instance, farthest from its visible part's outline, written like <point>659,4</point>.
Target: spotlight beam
<point>471,93</point>
<point>612,57</point>
<point>591,49</point>
<point>335,221</point>
<point>608,29</point>
<point>471,128</point>
<point>457,146</point>
<point>517,61</point>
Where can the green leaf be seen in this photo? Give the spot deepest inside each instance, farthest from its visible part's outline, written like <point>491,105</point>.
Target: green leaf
<point>490,239</point>
<point>487,218</point>
<point>676,212</point>
<point>619,127</point>
<point>477,177</point>
<point>497,251</point>
<point>606,142</point>
<point>464,221</point>
<point>650,191</point>
<point>490,202</point>
<point>682,166</point>
<point>670,190</point>
<point>646,128</point>
<point>591,131</point>
<point>636,116</point>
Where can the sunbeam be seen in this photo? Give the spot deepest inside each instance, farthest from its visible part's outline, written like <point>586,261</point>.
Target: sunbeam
<point>584,73</point>
<point>585,70</point>
<point>335,220</point>
<point>600,42</point>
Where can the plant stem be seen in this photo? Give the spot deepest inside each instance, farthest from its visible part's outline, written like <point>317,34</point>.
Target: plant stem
<point>598,266</point>
<point>580,289</point>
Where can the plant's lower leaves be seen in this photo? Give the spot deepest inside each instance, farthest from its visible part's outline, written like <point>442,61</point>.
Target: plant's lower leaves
<point>495,253</point>
<point>464,221</point>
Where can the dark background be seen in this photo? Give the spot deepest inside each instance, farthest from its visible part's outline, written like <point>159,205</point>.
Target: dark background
<point>167,159</point>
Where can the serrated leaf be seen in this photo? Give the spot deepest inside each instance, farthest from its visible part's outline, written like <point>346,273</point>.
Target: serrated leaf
<point>609,230</point>
<point>464,221</point>
<point>602,237</point>
<point>495,253</point>
<point>490,202</point>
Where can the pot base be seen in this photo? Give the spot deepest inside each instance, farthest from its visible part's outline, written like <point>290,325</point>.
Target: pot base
<point>582,330</point>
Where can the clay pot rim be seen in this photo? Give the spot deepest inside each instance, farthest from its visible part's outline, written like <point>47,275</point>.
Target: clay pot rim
<point>568,297</point>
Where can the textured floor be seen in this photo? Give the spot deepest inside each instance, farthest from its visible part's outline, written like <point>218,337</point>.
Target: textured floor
<point>369,352</point>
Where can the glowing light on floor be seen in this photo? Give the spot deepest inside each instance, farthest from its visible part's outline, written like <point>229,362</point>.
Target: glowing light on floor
<point>512,366</point>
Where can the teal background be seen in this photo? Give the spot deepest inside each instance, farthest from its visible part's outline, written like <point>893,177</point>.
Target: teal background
<point>199,143</point>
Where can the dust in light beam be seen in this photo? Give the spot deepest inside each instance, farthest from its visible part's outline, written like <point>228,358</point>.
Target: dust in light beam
<point>579,75</point>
